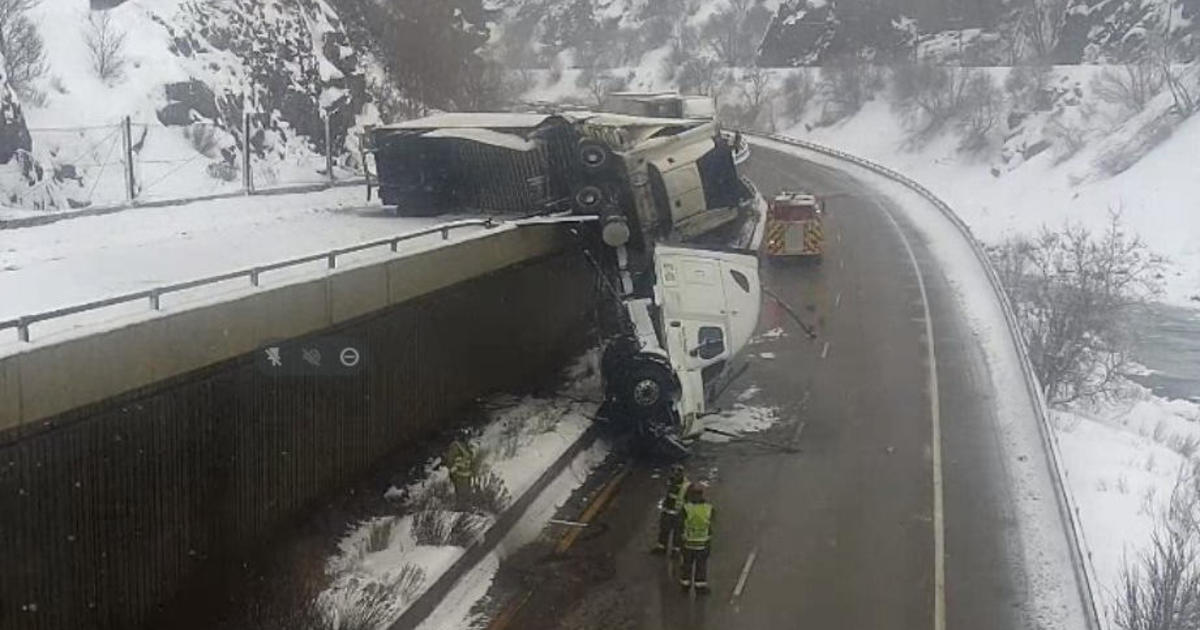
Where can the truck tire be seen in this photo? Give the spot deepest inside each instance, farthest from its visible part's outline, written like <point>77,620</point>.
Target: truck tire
<point>593,155</point>
<point>646,389</point>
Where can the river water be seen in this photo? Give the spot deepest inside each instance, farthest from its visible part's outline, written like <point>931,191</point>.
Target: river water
<point>1169,345</point>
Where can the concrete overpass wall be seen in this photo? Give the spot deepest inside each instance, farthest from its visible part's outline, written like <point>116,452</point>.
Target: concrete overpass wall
<point>134,459</point>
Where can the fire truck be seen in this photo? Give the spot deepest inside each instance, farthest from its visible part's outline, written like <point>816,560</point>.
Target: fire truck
<point>795,226</point>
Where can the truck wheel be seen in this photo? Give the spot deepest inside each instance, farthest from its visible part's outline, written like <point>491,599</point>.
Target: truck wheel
<point>646,389</point>
<point>593,154</point>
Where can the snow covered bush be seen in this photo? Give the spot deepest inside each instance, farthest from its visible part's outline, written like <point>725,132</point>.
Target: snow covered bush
<point>1074,293</point>
<point>106,45</point>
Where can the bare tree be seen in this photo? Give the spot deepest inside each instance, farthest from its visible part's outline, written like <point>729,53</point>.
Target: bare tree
<point>106,45</point>
<point>1129,87</point>
<point>1041,25</point>
<point>699,75</point>
<point>735,32</point>
<point>21,47</point>
<point>1073,292</point>
<point>599,83</point>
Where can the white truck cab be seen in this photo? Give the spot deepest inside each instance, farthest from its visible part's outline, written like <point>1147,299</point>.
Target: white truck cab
<point>703,312</point>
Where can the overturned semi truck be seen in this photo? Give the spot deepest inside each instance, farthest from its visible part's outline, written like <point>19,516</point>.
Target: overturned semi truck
<point>654,186</point>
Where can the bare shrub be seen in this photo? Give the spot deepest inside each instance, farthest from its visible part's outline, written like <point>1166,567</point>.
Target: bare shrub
<point>1129,87</point>
<point>22,48</point>
<point>1160,590</point>
<point>106,46</point>
<point>1028,85</point>
<point>430,527</point>
<point>931,97</point>
<point>487,494</point>
<point>751,107</point>
<point>375,604</point>
<point>1074,293</point>
<point>847,83</point>
<point>798,92</point>
<point>699,76</point>
<point>440,528</point>
<point>1069,138</point>
<point>981,109</point>
<point>600,83</point>
<point>379,535</point>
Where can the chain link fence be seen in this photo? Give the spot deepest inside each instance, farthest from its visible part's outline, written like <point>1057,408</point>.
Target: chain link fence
<point>131,163</point>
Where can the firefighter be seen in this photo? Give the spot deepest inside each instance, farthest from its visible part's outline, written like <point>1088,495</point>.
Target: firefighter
<point>461,462</point>
<point>672,503</point>
<point>696,529</point>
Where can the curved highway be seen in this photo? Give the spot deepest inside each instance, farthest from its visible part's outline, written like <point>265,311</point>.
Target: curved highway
<point>896,511</point>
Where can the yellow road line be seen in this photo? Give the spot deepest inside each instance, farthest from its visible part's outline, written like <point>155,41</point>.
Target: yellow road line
<point>509,614</point>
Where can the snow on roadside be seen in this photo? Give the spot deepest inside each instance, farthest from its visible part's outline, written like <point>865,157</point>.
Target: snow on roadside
<point>741,419</point>
<point>63,264</point>
<point>384,565</point>
<point>1124,458</point>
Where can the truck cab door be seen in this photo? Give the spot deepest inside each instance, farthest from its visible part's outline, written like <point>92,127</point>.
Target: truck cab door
<point>709,303</point>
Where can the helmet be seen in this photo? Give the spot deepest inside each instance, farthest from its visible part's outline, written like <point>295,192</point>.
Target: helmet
<point>696,492</point>
<point>677,470</point>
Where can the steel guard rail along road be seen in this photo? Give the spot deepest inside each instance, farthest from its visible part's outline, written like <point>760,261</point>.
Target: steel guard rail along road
<point>1081,555</point>
<point>253,273</point>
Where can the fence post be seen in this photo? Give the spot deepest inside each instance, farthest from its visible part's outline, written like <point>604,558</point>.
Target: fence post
<point>247,180</point>
<point>130,180</point>
<point>328,147</point>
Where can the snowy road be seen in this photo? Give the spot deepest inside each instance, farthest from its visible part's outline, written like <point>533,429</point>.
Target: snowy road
<point>851,532</point>
<point>79,260</point>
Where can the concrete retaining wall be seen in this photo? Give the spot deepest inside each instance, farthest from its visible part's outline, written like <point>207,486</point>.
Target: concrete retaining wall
<point>137,459</point>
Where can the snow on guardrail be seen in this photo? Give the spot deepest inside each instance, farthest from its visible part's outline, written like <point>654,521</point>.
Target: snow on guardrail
<point>1068,506</point>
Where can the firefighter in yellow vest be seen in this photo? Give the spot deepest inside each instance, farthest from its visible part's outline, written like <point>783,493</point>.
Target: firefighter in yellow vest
<point>461,462</point>
<point>696,529</point>
<point>672,503</point>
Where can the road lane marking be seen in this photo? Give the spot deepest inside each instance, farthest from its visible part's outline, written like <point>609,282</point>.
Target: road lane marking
<point>837,302</point>
<point>509,613</point>
<point>939,520</point>
<point>841,264</point>
<point>825,350</point>
<point>592,510</point>
<point>741,583</point>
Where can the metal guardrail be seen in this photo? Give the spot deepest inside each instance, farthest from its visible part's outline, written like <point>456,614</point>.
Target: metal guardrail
<point>154,296</point>
<point>1068,506</point>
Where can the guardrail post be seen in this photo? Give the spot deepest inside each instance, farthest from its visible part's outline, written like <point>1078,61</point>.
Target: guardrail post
<point>332,260</point>
<point>395,245</point>
<point>127,145</point>
<point>328,148</point>
<point>154,300</point>
<point>23,330</point>
<point>247,179</point>
<point>445,234</point>
<point>253,277</point>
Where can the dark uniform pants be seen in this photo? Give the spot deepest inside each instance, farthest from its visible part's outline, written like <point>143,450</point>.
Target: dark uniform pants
<point>694,560</point>
<point>668,523</point>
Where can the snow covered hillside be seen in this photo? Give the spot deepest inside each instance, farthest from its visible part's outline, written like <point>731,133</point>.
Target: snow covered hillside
<point>185,72</point>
